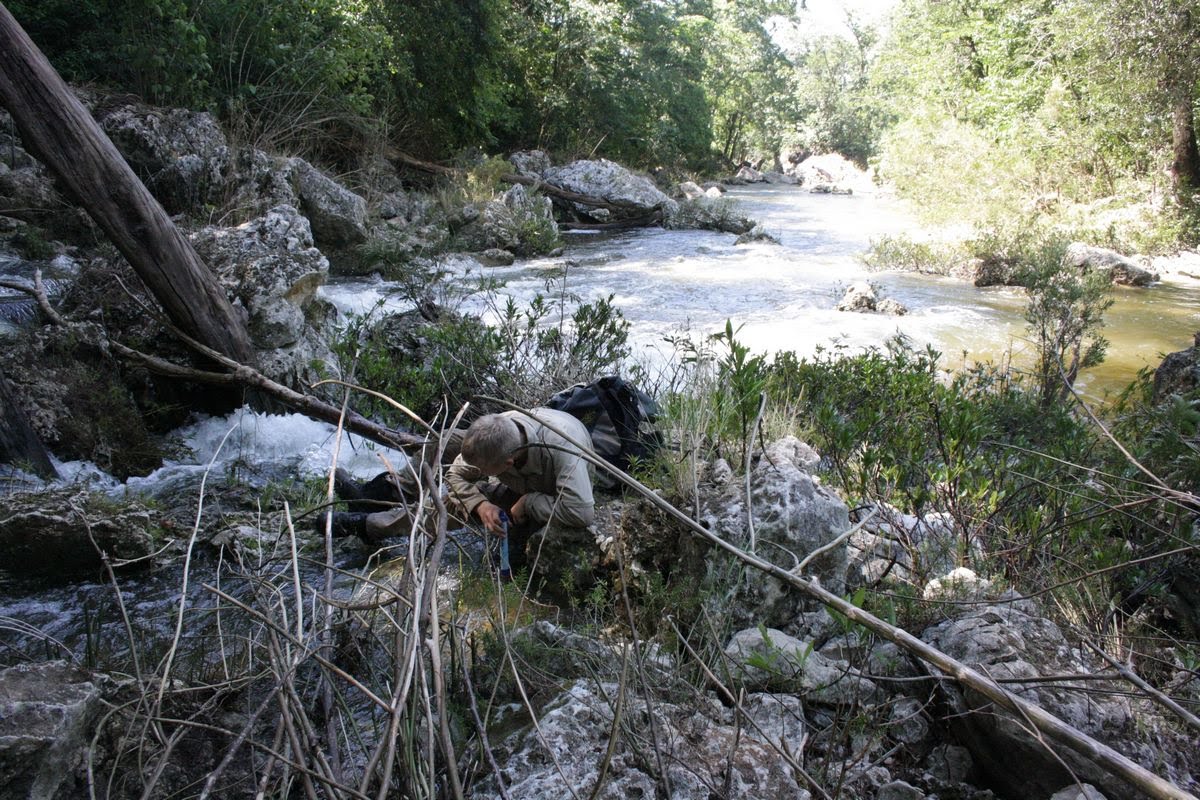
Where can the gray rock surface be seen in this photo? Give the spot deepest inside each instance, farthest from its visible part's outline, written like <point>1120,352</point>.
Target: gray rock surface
<point>270,267</point>
<point>765,659</point>
<point>1011,641</point>
<point>793,516</point>
<point>613,183</point>
<point>182,156</point>
<point>47,713</point>
<point>1121,270</point>
<point>860,298</point>
<point>52,532</point>
<point>701,748</point>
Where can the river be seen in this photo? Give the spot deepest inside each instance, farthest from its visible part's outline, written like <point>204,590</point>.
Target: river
<point>783,296</point>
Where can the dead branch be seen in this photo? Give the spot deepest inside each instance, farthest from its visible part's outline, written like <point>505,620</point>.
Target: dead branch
<point>241,375</point>
<point>38,291</point>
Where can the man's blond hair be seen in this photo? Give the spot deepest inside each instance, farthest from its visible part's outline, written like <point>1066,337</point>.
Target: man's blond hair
<point>490,441</point>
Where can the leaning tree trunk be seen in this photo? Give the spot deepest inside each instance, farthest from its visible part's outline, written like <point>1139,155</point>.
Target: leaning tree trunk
<point>58,129</point>
<point>19,445</point>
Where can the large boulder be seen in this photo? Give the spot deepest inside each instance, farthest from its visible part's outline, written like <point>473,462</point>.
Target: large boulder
<point>794,515</point>
<point>270,267</point>
<point>1010,642</point>
<point>860,297</point>
<point>635,195</point>
<point>518,221</point>
<point>701,746</point>
<point>1121,270</point>
<point>709,212</point>
<point>29,193</point>
<point>337,217</point>
<point>765,659</point>
<point>530,163</point>
<point>831,173</point>
<point>64,533</point>
<point>182,156</point>
<point>47,716</point>
<point>1178,373</point>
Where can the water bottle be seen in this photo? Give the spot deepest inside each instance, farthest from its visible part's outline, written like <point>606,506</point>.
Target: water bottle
<point>505,566</point>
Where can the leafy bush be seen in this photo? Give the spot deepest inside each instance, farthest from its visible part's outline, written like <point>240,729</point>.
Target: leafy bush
<point>904,253</point>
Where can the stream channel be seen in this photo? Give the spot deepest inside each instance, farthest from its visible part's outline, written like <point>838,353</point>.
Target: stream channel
<point>667,283</point>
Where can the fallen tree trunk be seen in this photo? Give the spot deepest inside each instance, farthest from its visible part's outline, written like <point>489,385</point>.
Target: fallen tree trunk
<point>1117,764</point>
<point>56,127</point>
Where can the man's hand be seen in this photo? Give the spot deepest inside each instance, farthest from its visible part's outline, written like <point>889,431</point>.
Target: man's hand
<point>518,509</point>
<point>489,515</point>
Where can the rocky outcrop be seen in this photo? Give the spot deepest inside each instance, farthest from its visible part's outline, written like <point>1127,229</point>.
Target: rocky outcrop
<point>794,515</point>
<point>764,659</point>
<point>701,746</point>
<point>182,156</point>
<point>1012,641</point>
<point>905,550</point>
<point>530,163</point>
<point>709,212</point>
<point>861,298</point>
<point>271,268</point>
<point>1178,373</point>
<point>64,533</point>
<point>1121,270</point>
<point>634,195</point>
<point>830,173</point>
<point>757,234</point>
<point>47,714</point>
<point>518,222</point>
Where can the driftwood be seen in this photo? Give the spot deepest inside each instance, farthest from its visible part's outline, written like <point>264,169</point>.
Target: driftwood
<point>1117,765</point>
<point>56,127</point>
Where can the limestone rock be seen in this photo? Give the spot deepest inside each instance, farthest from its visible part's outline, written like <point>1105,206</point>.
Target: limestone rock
<point>182,156</point>
<point>1011,641</point>
<point>52,532</point>
<point>613,183</point>
<point>271,268</point>
<point>765,659</point>
<point>336,215</point>
<point>860,298</point>
<point>757,234</point>
<point>1178,373</point>
<point>47,714</point>
<point>530,163</point>
<point>709,213</point>
<point>793,516</point>
<point>701,748</point>
<point>1121,270</point>
<point>891,306</point>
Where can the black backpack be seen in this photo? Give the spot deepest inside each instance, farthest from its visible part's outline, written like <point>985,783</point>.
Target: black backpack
<point>619,418</point>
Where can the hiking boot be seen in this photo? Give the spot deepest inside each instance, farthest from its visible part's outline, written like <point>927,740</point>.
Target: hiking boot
<point>345,523</point>
<point>345,487</point>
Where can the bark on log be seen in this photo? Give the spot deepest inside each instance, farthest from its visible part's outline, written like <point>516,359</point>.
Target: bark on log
<point>62,134</point>
<point>19,445</point>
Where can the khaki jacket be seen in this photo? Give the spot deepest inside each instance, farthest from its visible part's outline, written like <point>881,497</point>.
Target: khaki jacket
<point>555,479</point>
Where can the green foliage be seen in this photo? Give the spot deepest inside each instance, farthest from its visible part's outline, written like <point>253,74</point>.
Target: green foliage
<point>904,253</point>
<point>1064,316</point>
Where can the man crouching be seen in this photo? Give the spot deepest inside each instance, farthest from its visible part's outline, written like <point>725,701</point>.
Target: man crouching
<point>514,462</point>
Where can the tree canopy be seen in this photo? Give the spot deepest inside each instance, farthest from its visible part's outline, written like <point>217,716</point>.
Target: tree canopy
<point>986,103</point>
